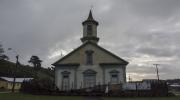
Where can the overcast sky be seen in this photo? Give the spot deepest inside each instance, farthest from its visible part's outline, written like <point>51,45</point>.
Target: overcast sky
<point>143,32</point>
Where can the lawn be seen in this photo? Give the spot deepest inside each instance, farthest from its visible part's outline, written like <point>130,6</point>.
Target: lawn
<point>143,98</point>
<point>20,96</point>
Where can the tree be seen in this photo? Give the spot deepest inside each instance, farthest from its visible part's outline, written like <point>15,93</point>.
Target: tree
<point>36,62</point>
<point>2,55</point>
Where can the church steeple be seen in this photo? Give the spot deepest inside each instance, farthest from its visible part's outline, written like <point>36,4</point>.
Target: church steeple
<point>90,17</point>
<point>90,29</point>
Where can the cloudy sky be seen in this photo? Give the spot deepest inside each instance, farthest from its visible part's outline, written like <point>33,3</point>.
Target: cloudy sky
<point>143,32</point>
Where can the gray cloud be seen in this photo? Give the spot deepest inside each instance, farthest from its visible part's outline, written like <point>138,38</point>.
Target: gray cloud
<point>140,31</point>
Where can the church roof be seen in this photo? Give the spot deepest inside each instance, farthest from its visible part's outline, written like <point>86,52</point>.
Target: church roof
<point>99,47</point>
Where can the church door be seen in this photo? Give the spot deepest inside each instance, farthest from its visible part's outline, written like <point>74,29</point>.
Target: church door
<point>89,78</point>
<point>114,75</point>
<point>65,80</point>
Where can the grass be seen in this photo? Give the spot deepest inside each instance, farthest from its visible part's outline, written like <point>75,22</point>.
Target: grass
<point>143,98</point>
<point>20,96</point>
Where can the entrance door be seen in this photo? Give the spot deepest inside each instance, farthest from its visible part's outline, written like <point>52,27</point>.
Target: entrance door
<point>65,83</point>
<point>89,78</point>
<point>65,80</point>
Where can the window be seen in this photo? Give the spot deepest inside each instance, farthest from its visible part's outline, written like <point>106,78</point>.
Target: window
<point>65,80</point>
<point>114,77</point>
<point>89,57</point>
<point>89,30</point>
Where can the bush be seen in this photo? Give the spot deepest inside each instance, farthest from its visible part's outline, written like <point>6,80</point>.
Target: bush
<point>38,86</point>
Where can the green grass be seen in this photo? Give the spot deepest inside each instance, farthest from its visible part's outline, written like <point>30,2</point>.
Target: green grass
<point>143,98</point>
<point>20,96</point>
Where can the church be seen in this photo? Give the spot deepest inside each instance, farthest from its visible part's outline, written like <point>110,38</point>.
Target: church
<point>89,64</point>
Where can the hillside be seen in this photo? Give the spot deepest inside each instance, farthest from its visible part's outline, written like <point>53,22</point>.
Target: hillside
<point>7,69</point>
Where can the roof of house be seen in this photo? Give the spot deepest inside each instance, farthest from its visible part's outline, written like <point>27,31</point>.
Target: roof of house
<point>19,80</point>
<point>89,42</point>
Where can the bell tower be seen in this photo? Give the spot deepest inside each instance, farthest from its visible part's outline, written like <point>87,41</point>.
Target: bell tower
<point>90,29</point>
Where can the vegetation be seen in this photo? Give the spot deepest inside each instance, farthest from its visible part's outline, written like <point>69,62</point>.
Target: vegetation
<point>20,96</point>
<point>38,86</point>
<point>142,98</point>
<point>36,62</point>
<point>7,68</point>
<point>2,55</point>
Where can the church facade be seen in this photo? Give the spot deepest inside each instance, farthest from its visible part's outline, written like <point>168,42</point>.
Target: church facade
<point>89,64</point>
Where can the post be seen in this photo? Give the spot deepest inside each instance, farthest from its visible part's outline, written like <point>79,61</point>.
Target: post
<point>157,71</point>
<point>14,80</point>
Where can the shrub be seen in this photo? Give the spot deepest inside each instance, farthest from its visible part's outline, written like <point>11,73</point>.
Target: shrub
<point>38,86</point>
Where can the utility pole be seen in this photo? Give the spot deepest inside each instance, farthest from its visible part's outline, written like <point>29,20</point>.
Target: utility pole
<point>15,69</point>
<point>157,71</point>
<point>14,80</point>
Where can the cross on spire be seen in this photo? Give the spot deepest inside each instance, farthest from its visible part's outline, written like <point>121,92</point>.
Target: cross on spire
<point>91,7</point>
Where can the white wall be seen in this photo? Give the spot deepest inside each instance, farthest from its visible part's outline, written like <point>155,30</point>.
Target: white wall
<point>78,73</point>
<point>58,76</point>
<point>81,69</point>
<point>121,73</point>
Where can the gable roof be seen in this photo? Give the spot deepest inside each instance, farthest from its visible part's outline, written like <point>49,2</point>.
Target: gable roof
<point>20,80</point>
<point>89,42</point>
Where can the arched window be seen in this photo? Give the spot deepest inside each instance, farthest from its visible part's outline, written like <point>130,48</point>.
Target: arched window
<point>114,75</point>
<point>65,80</point>
<point>89,78</point>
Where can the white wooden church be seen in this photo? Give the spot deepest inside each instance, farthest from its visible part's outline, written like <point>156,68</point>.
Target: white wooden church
<point>89,64</point>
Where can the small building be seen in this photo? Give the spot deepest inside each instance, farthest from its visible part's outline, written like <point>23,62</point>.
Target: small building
<point>6,83</point>
<point>137,85</point>
<point>151,80</point>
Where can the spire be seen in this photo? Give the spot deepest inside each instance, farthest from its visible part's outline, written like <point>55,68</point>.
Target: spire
<point>90,17</point>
